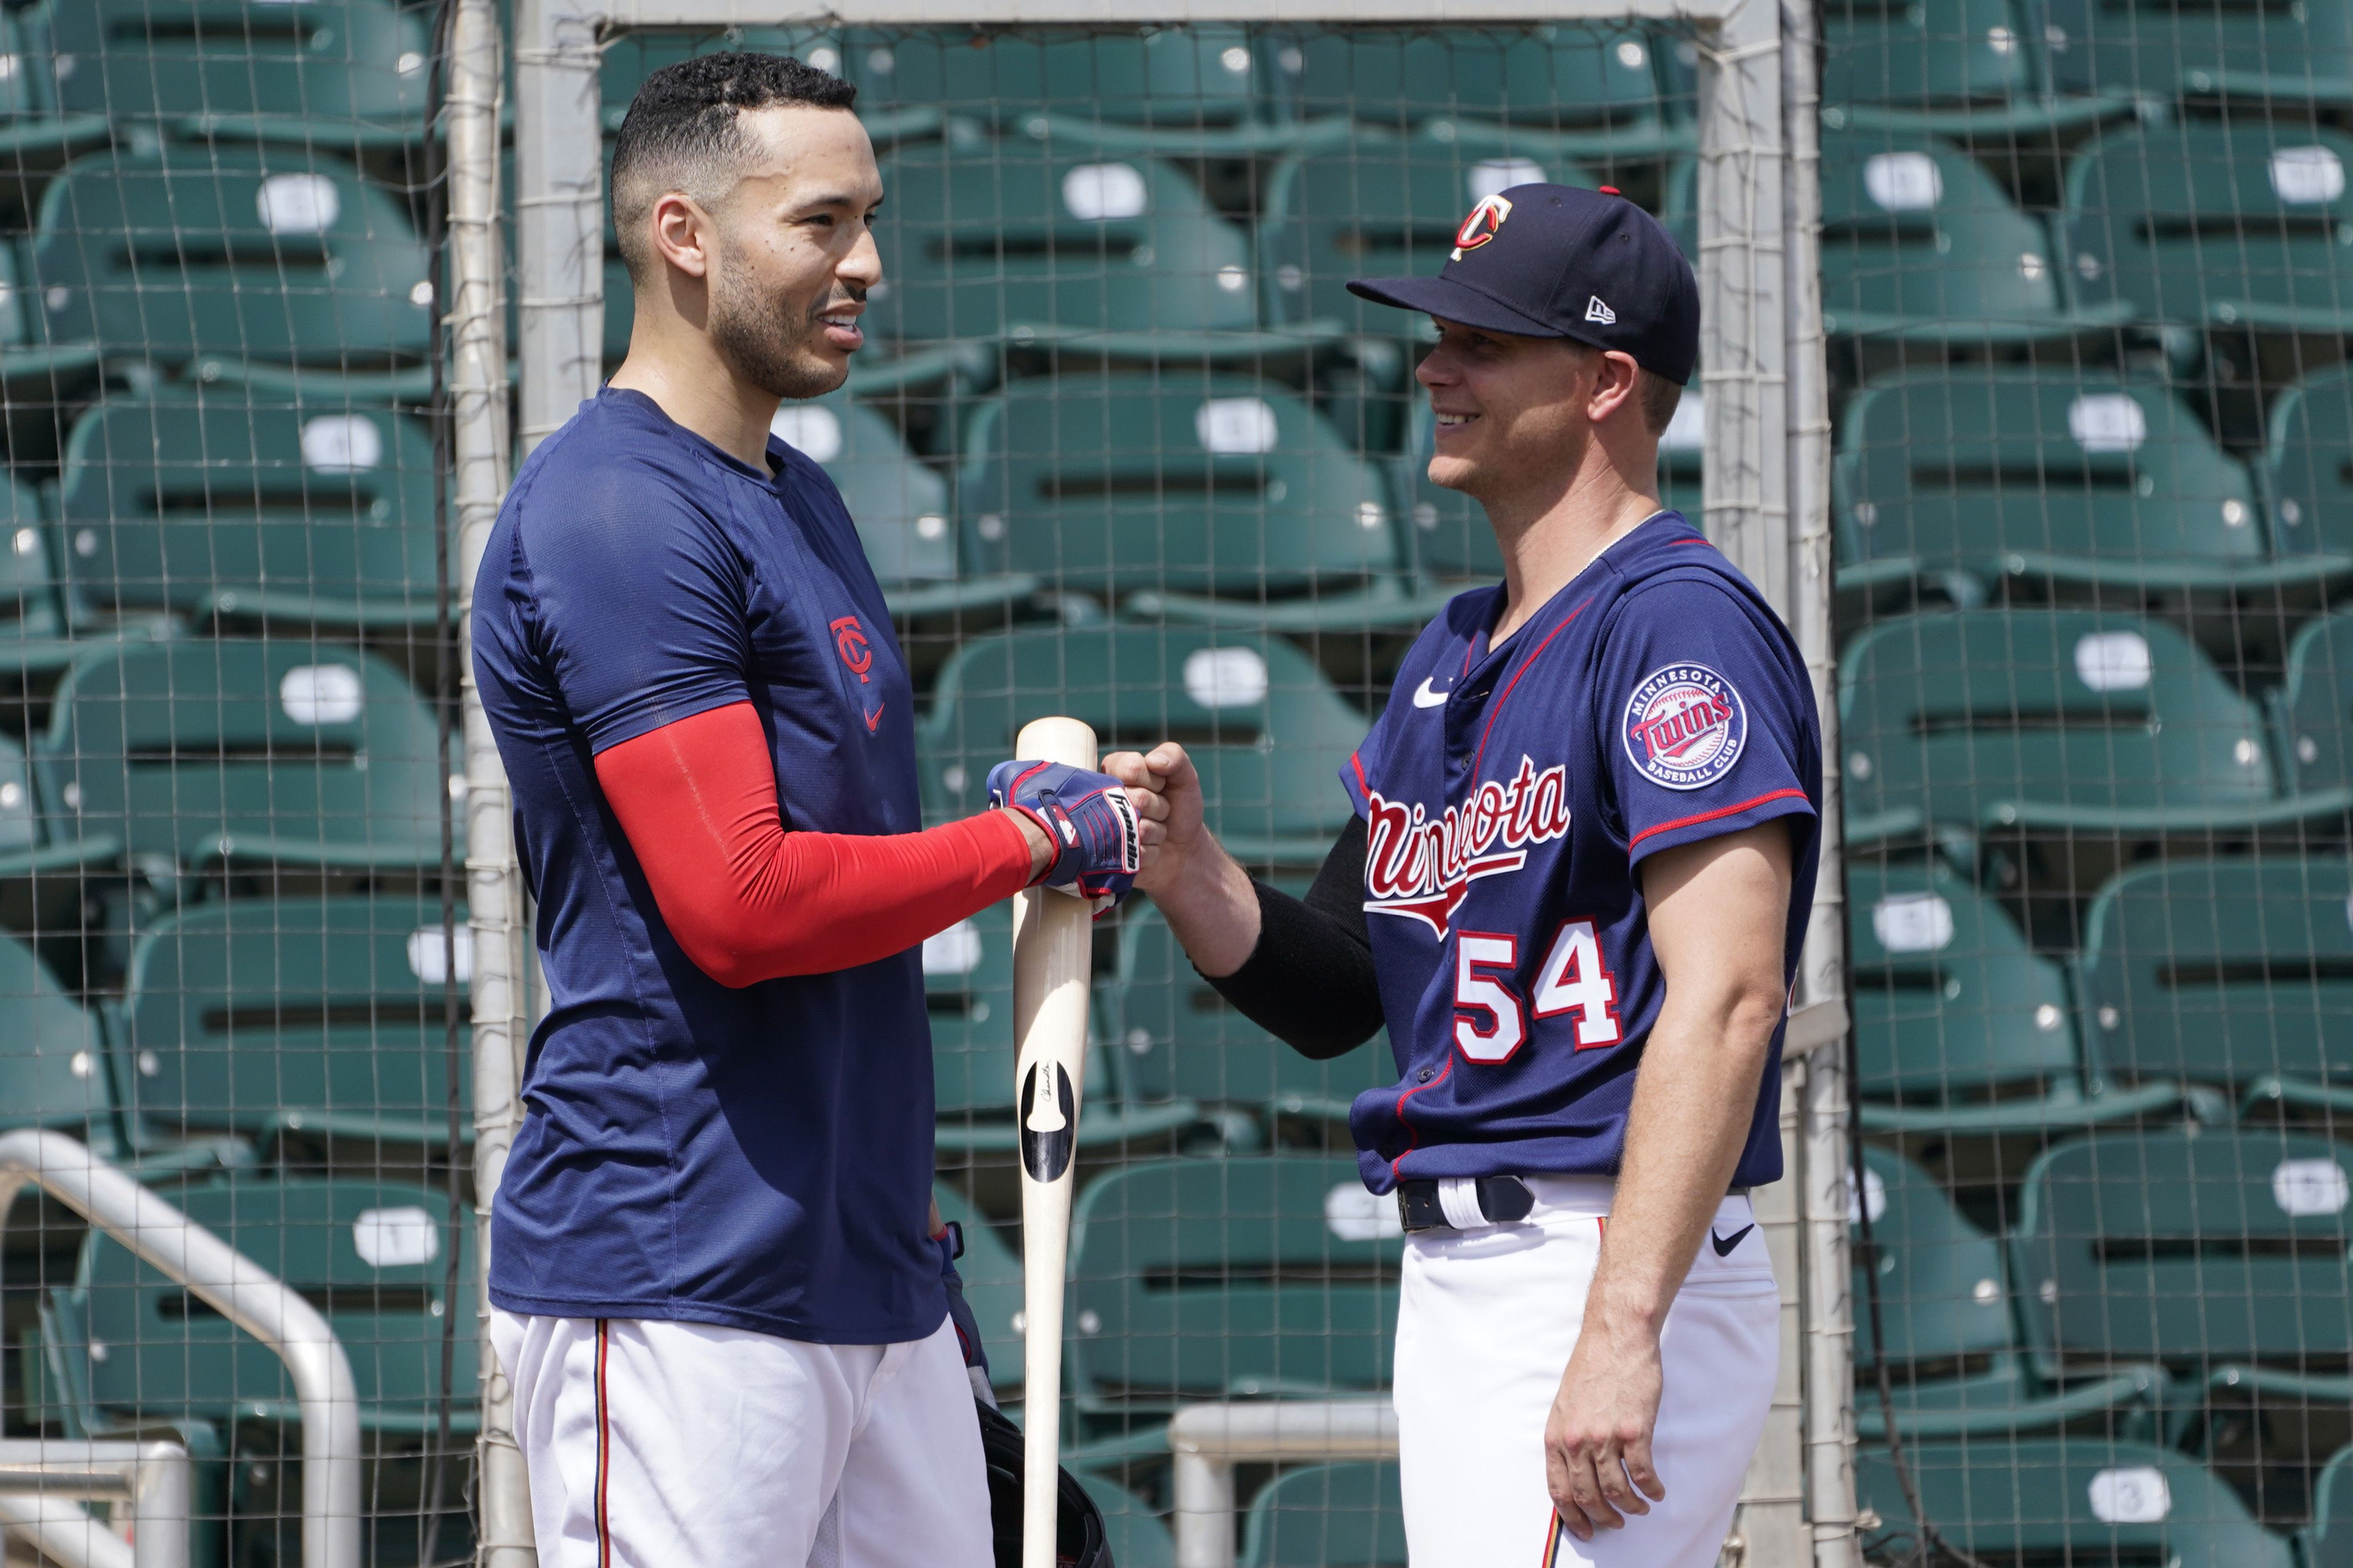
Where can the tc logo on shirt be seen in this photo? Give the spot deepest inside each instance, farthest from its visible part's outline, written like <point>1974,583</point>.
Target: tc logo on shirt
<point>1684,726</point>
<point>849,641</point>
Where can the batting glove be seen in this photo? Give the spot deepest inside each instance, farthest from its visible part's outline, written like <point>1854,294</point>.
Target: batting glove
<point>1087,817</point>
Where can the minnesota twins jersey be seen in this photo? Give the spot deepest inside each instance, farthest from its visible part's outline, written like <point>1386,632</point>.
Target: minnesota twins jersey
<point>755,1157</point>
<point>1509,797</point>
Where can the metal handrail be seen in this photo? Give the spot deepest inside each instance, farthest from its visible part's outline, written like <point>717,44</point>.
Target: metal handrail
<point>1209,1440</point>
<point>241,1290</point>
<point>41,1477</point>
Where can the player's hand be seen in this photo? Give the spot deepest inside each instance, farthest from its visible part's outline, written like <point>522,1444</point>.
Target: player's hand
<point>1086,815</point>
<point>1598,1439</point>
<point>1164,778</point>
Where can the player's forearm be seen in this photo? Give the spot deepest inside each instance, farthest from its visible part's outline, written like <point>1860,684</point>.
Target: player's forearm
<point>747,900</point>
<point>1719,917</point>
<point>1211,908</point>
<point>1695,1097</point>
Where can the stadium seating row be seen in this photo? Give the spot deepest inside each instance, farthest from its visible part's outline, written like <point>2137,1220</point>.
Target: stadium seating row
<point>2204,984</point>
<point>276,255</point>
<point>1213,499</point>
<point>354,72</point>
<point>208,754</point>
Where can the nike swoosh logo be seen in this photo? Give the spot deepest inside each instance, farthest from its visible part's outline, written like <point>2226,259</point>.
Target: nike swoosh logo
<point>1724,1244</point>
<point>1423,697</point>
<point>875,717</point>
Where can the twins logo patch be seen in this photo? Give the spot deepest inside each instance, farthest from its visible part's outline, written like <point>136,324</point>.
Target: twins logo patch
<point>1684,726</point>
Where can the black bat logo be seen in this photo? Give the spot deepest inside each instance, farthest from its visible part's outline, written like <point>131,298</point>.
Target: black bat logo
<point>1048,1121</point>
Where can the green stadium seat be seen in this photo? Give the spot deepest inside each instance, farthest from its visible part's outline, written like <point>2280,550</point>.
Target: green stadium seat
<point>1042,243</point>
<point>968,993</point>
<point>33,628</point>
<point>1964,69</point>
<point>2315,709</point>
<point>1134,1534</point>
<point>1242,1278</point>
<point>1972,477</point>
<point>902,508</point>
<point>271,253</point>
<point>2328,1541</point>
<point>2307,466</point>
<point>1454,543</point>
<point>2216,1252</point>
<point>309,1021</point>
<point>221,756</point>
<point>1227,697</point>
<point>1175,1038</point>
<point>137,1353</point>
<point>1383,206</point>
<point>36,140</point>
<point>370,1255</point>
<point>1201,90</point>
<point>2048,720</point>
<point>324,73</point>
<point>44,854</point>
<point>1327,1516</point>
<point>2084,1500</point>
<point>1600,86</point>
<point>1956,1367</point>
<point>53,1067</point>
<point>1959,1026</point>
<point>2277,56</point>
<point>311,509</point>
<point>1222,498</point>
<point>1919,245</point>
<point>626,58</point>
<point>2237,974</point>
<point>2239,227</point>
<point>992,1287</point>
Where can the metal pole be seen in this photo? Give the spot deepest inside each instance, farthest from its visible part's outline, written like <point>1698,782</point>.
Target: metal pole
<point>1822,1165</point>
<point>166,1240</point>
<point>482,459</point>
<point>41,1477</point>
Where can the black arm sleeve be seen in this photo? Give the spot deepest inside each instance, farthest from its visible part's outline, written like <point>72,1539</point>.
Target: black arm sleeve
<point>1310,982</point>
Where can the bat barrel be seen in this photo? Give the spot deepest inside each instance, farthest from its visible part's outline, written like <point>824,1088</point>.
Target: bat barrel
<point>1053,943</point>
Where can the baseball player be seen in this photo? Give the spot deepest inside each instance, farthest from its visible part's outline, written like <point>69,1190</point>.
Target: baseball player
<point>716,1286</point>
<point>1574,888</point>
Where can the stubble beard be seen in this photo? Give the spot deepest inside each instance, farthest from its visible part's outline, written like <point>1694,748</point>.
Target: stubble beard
<point>779,350</point>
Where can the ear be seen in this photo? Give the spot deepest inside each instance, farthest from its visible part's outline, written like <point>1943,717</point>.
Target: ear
<point>682,232</point>
<point>1614,378</point>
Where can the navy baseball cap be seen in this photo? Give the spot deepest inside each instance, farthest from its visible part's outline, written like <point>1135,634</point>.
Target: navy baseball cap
<point>1554,261</point>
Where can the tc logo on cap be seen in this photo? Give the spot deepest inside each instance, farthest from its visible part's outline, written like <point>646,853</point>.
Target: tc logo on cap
<point>1486,220</point>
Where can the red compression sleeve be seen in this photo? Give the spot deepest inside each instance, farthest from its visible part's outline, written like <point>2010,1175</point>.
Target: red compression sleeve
<point>749,902</point>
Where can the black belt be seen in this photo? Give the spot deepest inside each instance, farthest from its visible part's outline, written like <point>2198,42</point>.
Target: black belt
<point>1502,1200</point>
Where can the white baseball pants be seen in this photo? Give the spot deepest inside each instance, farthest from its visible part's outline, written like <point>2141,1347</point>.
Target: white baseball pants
<point>663,1445</point>
<point>1486,1325</point>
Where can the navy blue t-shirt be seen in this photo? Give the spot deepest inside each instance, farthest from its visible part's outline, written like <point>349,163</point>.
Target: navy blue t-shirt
<point>757,1158</point>
<point>1509,797</point>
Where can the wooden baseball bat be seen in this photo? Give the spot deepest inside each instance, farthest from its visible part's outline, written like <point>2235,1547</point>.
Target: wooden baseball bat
<point>1053,943</point>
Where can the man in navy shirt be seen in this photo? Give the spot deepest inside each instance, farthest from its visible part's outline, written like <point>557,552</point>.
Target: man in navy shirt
<point>716,1285</point>
<point>1575,890</point>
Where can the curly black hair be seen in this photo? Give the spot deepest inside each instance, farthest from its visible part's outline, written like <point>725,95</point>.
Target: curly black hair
<point>684,131</point>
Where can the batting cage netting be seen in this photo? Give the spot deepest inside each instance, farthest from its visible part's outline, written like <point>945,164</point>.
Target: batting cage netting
<point>2022,397</point>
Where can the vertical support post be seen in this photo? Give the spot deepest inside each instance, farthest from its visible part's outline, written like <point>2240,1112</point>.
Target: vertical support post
<point>1821,1172</point>
<point>559,210</point>
<point>482,459</point>
<point>1745,343</point>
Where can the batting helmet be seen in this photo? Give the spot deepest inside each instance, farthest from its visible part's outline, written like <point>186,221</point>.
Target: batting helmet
<point>1079,1538</point>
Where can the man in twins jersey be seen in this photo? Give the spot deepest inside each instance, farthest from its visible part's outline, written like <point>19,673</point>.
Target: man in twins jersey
<point>716,1288</point>
<point>1575,890</point>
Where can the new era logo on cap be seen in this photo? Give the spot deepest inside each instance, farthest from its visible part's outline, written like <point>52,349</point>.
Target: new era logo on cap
<point>1595,311</point>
